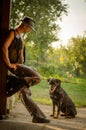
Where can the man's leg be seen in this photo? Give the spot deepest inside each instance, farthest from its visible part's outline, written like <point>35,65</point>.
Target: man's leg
<point>29,74</point>
<point>31,77</point>
<point>14,84</point>
<point>33,109</point>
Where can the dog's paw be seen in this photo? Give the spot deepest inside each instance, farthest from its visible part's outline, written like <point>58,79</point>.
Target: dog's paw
<point>51,115</point>
<point>55,117</point>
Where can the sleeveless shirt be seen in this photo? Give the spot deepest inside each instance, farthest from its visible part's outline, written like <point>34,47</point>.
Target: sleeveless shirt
<point>15,49</point>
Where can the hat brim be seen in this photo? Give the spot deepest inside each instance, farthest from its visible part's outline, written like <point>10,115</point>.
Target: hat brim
<point>32,27</point>
<point>29,25</point>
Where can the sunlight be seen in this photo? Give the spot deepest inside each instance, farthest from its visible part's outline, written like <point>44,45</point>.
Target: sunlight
<point>74,24</point>
<point>56,44</point>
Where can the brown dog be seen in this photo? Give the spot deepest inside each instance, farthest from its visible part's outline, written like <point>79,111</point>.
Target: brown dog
<point>61,99</point>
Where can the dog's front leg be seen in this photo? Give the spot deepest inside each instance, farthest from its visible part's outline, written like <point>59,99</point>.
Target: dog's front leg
<point>59,108</point>
<point>53,109</point>
<point>53,114</point>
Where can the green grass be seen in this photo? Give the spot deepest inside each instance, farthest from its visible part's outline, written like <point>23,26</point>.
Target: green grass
<point>77,92</point>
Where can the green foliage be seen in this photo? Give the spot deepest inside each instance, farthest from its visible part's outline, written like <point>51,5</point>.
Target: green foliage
<point>77,54</point>
<point>63,62</point>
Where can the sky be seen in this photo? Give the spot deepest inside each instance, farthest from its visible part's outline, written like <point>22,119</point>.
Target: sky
<point>75,23</point>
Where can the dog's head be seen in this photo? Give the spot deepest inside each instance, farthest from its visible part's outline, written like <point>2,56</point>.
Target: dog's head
<point>54,84</point>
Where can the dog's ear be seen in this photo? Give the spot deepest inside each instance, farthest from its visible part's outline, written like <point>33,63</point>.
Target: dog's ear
<point>58,80</point>
<point>48,80</point>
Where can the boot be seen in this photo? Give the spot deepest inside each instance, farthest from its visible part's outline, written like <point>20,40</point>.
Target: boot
<point>40,120</point>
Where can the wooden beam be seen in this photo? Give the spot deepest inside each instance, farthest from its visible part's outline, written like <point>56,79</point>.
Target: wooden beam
<point>4,26</point>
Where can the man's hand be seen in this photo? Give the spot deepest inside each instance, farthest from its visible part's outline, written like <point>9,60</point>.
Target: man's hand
<point>14,66</point>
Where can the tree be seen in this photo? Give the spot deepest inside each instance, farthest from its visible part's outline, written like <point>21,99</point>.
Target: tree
<point>77,54</point>
<point>45,13</point>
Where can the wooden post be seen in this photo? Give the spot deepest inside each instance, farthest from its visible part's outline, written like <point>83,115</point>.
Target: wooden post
<point>4,26</point>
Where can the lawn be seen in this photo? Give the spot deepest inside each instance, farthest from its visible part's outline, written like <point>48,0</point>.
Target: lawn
<point>76,90</point>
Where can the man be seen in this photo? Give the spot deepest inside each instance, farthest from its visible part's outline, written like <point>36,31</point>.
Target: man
<point>24,77</point>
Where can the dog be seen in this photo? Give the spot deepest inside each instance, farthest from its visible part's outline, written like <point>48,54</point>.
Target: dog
<point>61,99</point>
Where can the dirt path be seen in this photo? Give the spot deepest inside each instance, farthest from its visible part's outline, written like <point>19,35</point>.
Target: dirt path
<point>19,113</point>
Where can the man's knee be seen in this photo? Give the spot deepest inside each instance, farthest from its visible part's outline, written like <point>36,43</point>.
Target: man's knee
<point>39,80</point>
